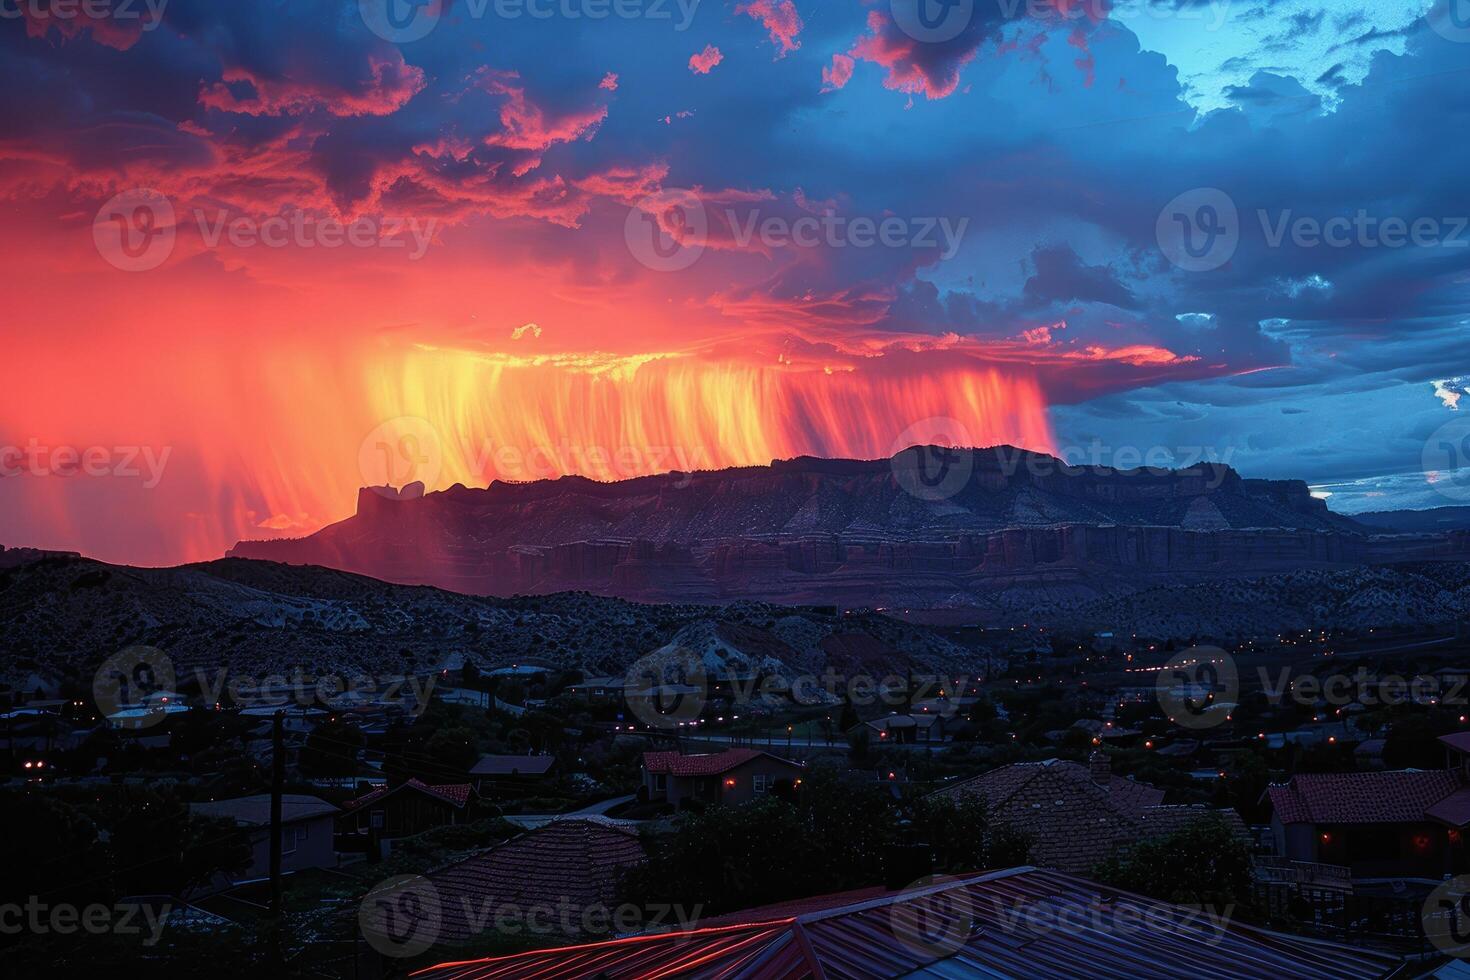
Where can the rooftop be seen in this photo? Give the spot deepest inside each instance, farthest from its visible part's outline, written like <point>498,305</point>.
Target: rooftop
<point>513,765</point>
<point>455,794</point>
<point>578,862</point>
<point>1074,817</point>
<point>1398,796</point>
<point>255,811</point>
<point>978,926</point>
<point>678,764</point>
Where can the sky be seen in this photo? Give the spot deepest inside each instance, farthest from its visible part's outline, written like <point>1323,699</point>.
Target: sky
<point>261,254</point>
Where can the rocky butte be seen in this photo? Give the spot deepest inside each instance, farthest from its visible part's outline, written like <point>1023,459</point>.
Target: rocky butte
<point>930,528</point>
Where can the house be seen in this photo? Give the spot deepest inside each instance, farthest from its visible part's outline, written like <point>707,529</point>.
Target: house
<point>574,863</point>
<point>511,774</point>
<point>306,831</point>
<point>731,777</point>
<point>1076,815</point>
<point>1021,922</point>
<point>914,729</point>
<point>597,690</point>
<point>388,813</point>
<point>1405,823</point>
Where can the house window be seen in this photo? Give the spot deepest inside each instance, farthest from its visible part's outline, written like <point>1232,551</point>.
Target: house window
<point>288,840</point>
<point>377,819</point>
<point>660,783</point>
<point>759,782</point>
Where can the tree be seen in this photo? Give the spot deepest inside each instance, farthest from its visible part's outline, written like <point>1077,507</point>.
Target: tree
<point>1204,863</point>
<point>331,749</point>
<point>830,836</point>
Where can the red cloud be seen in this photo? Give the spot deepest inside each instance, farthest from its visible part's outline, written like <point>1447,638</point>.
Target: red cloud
<point>389,87</point>
<point>609,82</point>
<point>526,126</point>
<point>838,74</point>
<point>704,62</point>
<point>780,19</point>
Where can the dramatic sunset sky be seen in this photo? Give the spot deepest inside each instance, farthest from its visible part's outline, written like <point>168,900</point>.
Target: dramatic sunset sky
<point>503,306</point>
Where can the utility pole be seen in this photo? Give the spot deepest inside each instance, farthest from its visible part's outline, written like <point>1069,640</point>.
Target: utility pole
<point>278,780</point>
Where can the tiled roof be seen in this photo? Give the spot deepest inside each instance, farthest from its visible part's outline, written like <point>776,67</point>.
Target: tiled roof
<point>678,764</point>
<point>255,811</point>
<point>978,926</point>
<point>573,862</point>
<point>455,794</point>
<point>1360,797</point>
<point>513,765</point>
<point>1072,820</point>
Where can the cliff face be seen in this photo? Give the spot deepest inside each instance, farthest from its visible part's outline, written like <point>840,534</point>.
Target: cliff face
<point>845,532</point>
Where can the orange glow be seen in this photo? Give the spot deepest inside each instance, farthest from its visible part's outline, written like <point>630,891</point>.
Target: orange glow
<point>271,441</point>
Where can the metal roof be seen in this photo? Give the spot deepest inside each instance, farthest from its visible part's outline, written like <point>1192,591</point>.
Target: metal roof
<point>1022,923</point>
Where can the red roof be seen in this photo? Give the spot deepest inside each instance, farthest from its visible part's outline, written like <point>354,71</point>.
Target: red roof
<point>1401,796</point>
<point>975,926</point>
<point>455,794</point>
<point>575,862</point>
<point>679,764</point>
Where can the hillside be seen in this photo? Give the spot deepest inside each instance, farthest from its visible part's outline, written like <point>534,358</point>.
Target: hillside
<point>62,616</point>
